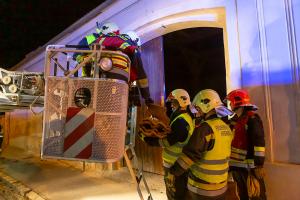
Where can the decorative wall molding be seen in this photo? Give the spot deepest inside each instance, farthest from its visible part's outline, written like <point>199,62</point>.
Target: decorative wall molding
<point>265,66</point>
<point>292,43</point>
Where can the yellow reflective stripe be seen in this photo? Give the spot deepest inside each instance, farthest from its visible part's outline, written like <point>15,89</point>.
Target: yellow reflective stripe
<point>238,156</point>
<point>143,83</point>
<point>124,45</point>
<point>174,152</point>
<point>239,150</point>
<point>207,186</point>
<point>259,148</point>
<point>185,162</point>
<point>164,142</point>
<point>90,39</point>
<point>101,40</point>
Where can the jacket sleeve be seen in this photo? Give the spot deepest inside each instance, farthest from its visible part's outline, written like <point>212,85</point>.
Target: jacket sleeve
<point>201,140</point>
<point>179,133</point>
<point>256,132</point>
<point>82,42</point>
<point>141,76</point>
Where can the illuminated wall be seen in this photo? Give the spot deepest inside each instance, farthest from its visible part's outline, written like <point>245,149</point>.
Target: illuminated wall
<point>261,52</point>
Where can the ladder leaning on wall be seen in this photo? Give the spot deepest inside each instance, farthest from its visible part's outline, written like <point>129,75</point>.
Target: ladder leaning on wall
<point>136,174</point>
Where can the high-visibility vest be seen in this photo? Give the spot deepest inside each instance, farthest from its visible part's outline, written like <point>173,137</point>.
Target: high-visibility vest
<point>90,38</point>
<point>213,167</point>
<point>171,153</point>
<point>240,154</point>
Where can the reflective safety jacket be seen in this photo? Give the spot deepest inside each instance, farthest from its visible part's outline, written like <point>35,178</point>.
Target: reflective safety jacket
<point>87,40</point>
<point>172,152</point>
<point>121,42</point>
<point>207,156</point>
<point>248,145</point>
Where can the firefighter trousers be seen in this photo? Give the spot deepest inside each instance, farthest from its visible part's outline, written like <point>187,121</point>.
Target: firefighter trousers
<point>240,177</point>
<point>175,185</point>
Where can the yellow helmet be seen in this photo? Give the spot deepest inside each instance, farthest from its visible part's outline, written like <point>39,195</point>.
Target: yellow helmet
<point>182,96</point>
<point>207,100</point>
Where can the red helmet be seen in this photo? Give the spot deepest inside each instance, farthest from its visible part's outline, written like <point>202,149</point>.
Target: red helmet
<point>239,98</point>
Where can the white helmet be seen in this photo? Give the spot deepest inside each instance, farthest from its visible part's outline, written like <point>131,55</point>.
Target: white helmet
<point>181,96</point>
<point>134,37</point>
<point>207,100</point>
<point>110,27</point>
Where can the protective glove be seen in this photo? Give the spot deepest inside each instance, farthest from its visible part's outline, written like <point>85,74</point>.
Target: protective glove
<point>81,58</point>
<point>141,136</point>
<point>169,180</point>
<point>259,172</point>
<point>253,186</point>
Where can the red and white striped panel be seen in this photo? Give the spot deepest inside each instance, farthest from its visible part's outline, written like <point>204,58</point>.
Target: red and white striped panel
<point>79,129</point>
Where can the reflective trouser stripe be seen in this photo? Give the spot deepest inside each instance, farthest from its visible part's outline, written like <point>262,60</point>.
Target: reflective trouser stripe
<point>204,192</point>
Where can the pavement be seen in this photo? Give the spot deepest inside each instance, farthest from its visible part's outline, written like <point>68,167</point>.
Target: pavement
<point>27,177</point>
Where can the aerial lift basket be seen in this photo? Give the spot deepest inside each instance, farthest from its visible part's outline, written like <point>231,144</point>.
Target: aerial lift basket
<point>85,117</point>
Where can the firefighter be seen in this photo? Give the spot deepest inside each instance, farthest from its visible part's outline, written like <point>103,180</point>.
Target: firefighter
<point>126,44</point>
<point>182,127</point>
<point>90,39</point>
<point>248,145</point>
<point>206,155</point>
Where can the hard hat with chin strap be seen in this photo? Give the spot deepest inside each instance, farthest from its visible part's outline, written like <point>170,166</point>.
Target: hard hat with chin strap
<point>207,100</point>
<point>181,95</point>
<point>238,98</point>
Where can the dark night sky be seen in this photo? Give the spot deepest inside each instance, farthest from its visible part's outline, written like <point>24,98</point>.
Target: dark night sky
<point>27,24</point>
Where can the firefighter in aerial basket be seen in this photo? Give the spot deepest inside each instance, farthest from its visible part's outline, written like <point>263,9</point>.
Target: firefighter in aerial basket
<point>108,36</point>
<point>247,148</point>
<point>129,44</point>
<point>89,40</point>
<point>181,129</point>
<point>206,155</point>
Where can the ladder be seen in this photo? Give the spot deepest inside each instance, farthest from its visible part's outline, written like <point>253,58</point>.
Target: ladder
<point>136,174</point>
